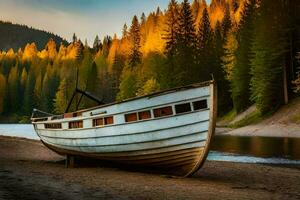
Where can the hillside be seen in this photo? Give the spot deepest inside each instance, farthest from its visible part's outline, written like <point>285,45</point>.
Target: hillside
<point>285,122</point>
<point>15,36</point>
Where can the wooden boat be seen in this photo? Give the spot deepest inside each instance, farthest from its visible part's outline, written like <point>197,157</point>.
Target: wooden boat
<point>169,130</point>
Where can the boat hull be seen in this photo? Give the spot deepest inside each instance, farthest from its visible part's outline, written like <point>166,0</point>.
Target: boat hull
<point>177,144</point>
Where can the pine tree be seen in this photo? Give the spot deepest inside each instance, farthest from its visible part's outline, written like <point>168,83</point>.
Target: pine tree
<point>172,28</point>
<point>29,93</point>
<point>38,90</point>
<point>61,99</point>
<point>106,45</point>
<point>186,43</point>
<point>143,19</point>
<point>13,89</point>
<point>172,72</point>
<point>124,31</point>
<point>74,38</point>
<point>92,79</point>
<point>2,92</point>
<point>135,36</point>
<point>205,48</point>
<point>195,8</point>
<point>23,79</point>
<point>128,87</point>
<point>240,84</point>
<point>270,49</point>
<point>224,100</point>
<point>50,86</point>
<point>96,44</point>
<point>226,22</point>
<point>229,59</point>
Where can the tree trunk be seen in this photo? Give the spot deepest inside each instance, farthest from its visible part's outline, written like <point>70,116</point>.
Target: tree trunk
<point>285,86</point>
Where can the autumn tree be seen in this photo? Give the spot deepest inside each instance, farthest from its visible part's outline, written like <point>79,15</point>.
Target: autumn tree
<point>51,49</point>
<point>135,37</point>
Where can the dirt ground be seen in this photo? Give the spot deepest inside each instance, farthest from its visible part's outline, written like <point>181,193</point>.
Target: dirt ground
<point>30,171</point>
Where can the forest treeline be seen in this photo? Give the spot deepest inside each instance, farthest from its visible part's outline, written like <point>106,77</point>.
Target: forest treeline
<point>250,47</point>
<point>14,36</point>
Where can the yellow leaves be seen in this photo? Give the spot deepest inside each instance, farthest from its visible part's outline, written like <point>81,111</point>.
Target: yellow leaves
<point>229,58</point>
<point>153,43</point>
<point>10,53</point>
<point>124,47</point>
<point>43,54</point>
<point>149,87</point>
<point>112,53</point>
<point>216,15</point>
<point>152,34</point>
<point>30,51</point>
<point>72,51</point>
<point>51,49</point>
<point>62,53</point>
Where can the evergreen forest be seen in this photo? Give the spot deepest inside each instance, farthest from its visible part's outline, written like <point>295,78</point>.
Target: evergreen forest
<point>250,47</point>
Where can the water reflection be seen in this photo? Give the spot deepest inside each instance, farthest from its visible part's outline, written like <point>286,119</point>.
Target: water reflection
<point>258,146</point>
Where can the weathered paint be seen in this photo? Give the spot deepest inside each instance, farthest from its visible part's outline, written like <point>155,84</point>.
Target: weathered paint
<point>178,142</point>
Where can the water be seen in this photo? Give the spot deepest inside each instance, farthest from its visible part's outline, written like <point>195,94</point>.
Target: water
<point>18,130</point>
<point>266,147</point>
<point>268,150</point>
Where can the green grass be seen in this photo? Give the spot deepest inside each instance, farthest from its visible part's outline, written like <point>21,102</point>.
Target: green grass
<point>252,118</point>
<point>296,119</point>
<point>227,118</point>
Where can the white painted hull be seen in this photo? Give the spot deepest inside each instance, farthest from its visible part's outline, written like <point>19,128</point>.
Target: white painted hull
<point>178,142</point>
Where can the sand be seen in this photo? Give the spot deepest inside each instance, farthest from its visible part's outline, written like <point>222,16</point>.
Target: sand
<point>28,170</point>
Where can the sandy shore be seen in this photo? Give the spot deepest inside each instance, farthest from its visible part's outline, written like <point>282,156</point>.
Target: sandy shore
<point>264,130</point>
<point>30,171</point>
<point>283,123</point>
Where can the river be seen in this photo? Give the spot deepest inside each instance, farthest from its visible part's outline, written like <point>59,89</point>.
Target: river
<point>267,150</point>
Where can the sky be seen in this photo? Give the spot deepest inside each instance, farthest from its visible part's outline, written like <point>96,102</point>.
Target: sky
<point>86,18</point>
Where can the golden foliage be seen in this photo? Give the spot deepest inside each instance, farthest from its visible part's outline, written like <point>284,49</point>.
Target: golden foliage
<point>51,49</point>
<point>112,53</point>
<point>43,54</point>
<point>10,53</point>
<point>30,51</point>
<point>216,15</point>
<point>149,87</point>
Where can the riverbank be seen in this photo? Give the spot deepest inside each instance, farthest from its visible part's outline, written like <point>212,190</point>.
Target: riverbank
<point>284,123</point>
<point>263,129</point>
<point>31,171</point>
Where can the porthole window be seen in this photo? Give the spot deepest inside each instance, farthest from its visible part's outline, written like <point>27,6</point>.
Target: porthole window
<point>183,108</point>
<point>131,117</point>
<point>53,126</point>
<point>144,115</point>
<point>76,124</point>
<point>108,120</point>
<point>98,122</point>
<point>198,105</point>
<point>161,112</point>
<point>103,121</point>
